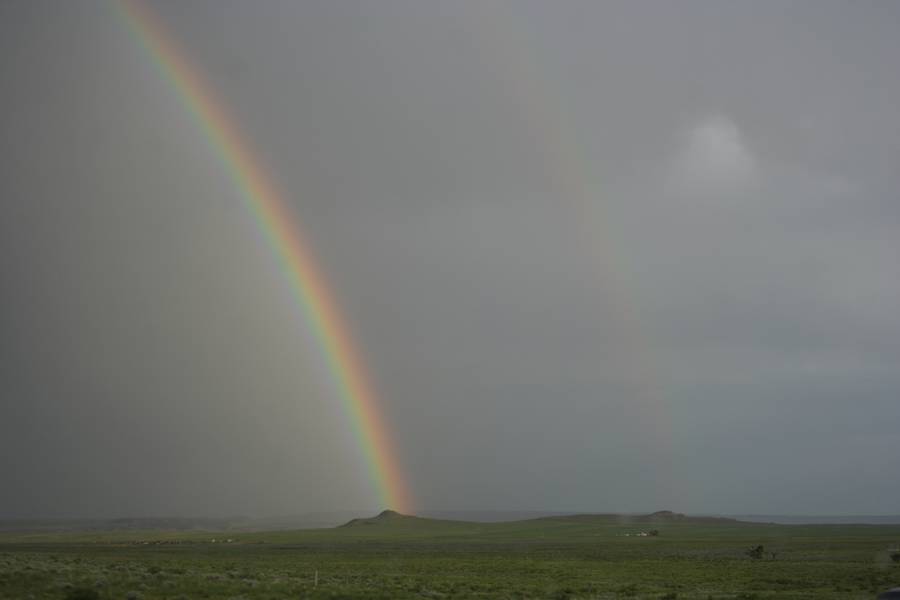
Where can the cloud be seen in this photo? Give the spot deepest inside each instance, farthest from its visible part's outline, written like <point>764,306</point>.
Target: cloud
<point>714,160</point>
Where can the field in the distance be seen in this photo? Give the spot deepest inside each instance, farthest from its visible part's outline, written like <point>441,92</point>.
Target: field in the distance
<point>393,556</point>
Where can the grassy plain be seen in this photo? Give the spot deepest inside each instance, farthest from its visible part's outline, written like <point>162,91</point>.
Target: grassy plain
<point>407,557</point>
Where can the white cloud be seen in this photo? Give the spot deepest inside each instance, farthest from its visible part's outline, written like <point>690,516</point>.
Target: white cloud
<point>714,160</point>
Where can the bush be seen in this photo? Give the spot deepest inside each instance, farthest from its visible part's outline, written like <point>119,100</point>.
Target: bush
<point>895,556</point>
<point>82,593</point>
<point>756,553</point>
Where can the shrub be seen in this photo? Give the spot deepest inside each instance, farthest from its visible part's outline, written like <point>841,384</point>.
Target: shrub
<point>757,552</point>
<point>82,593</point>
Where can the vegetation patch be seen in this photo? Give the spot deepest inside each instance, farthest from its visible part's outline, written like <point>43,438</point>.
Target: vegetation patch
<point>393,556</point>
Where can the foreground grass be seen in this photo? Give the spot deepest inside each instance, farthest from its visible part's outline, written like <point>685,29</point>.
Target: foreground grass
<point>586,557</point>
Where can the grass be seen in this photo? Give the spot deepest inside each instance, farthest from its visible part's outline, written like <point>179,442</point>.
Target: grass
<point>407,557</point>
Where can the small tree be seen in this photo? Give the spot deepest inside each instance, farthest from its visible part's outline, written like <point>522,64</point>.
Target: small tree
<point>757,552</point>
<point>653,532</point>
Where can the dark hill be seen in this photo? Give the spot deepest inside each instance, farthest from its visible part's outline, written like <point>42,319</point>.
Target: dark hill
<point>382,518</point>
<point>390,520</point>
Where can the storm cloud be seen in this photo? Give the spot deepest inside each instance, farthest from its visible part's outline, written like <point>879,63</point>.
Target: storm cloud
<point>598,256</point>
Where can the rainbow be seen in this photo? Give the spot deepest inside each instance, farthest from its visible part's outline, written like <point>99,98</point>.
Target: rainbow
<point>504,38</point>
<point>273,217</point>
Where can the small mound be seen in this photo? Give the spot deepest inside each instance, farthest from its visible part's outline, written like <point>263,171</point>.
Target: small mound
<point>382,517</point>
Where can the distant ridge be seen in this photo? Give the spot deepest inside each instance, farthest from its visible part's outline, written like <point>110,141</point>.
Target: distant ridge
<point>669,516</point>
<point>660,516</point>
<point>448,520</point>
<point>392,518</point>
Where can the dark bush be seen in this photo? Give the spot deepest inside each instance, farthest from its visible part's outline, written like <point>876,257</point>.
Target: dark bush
<point>82,593</point>
<point>757,552</point>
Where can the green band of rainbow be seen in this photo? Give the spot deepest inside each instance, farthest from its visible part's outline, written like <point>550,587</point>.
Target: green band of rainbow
<point>273,217</point>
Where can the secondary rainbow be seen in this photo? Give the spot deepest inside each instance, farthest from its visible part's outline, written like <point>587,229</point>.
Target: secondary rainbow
<point>272,214</point>
<point>508,50</point>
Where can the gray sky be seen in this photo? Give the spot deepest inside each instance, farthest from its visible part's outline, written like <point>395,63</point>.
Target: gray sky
<point>599,256</point>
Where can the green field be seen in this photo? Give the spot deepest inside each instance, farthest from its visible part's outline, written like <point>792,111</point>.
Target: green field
<point>406,557</point>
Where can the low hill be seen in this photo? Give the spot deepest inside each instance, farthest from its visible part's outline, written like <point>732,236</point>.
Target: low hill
<point>667,516</point>
<point>385,516</point>
<point>659,517</point>
<point>391,518</point>
<point>337,519</point>
<point>394,520</point>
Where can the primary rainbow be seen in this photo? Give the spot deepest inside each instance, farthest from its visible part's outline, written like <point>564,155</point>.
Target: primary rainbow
<point>298,265</point>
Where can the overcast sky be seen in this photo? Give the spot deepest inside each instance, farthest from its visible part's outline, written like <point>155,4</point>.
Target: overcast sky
<point>599,256</point>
